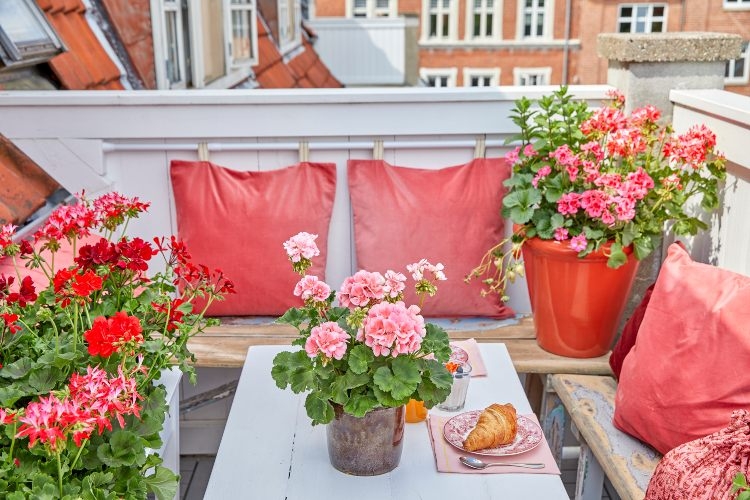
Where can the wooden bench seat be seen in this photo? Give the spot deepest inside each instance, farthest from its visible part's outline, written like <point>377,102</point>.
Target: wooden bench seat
<point>226,345</point>
<point>627,462</point>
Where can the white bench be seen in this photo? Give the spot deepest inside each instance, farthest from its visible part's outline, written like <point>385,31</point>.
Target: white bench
<point>605,451</point>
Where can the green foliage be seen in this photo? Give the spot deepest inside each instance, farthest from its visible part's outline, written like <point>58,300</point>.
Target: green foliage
<point>358,379</point>
<point>587,178</point>
<point>49,336</point>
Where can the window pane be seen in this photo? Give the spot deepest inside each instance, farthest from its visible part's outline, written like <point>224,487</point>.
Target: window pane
<point>445,25</point>
<point>659,11</point>
<point>360,4</point>
<point>624,28</point>
<point>490,4</point>
<point>19,23</point>
<point>173,54</point>
<point>433,25</point>
<point>446,4</point>
<point>213,40</point>
<point>640,27</point>
<point>477,26</point>
<point>241,35</point>
<point>382,4</point>
<point>626,11</point>
<point>488,28</point>
<point>657,27</point>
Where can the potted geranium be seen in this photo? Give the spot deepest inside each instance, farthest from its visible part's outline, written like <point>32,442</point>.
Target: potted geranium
<point>591,194</point>
<point>80,407</point>
<point>362,360</point>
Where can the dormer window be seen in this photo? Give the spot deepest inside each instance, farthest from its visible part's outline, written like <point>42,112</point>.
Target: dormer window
<point>26,38</point>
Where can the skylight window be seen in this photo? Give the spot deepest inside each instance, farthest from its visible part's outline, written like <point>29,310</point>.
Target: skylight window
<point>26,37</point>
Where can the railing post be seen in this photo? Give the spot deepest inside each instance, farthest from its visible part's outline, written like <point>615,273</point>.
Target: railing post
<point>645,67</point>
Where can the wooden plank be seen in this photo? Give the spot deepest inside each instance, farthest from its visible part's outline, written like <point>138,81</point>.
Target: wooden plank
<point>627,462</point>
<point>228,349</point>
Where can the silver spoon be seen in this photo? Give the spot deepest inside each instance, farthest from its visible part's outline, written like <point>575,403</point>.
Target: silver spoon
<point>475,463</point>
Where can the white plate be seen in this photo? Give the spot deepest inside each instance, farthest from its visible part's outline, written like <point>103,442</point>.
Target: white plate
<point>528,437</point>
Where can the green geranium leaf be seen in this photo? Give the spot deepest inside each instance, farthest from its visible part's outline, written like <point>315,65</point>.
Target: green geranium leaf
<point>386,399</point>
<point>163,483</point>
<point>293,317</point>
<point>17,369</point>
<point>437,341</point>
<point>557,221</point>
<point>10,394</point>
<point>95,486</point>
<point>739,481</point>
<point>45,379</point>
<point>432,394</point>
<point>337,313</point>
<point>629,233</point>
<point>617,257</point>
<point>46,492</point>
<point>387,381</point>
<point>521,215</point>
<point>318,408</point>
<point>360,357</point>
<point>301,380</point>
<point>592,234</point>
<point>518,180</point>
<point>360,404</point>
<point>124,449</point>
<point>643,246</point>
<point>406,370</point>
<point>438,375</point>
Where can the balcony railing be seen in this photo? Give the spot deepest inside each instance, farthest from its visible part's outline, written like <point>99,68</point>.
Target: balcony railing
<point>99,141</point>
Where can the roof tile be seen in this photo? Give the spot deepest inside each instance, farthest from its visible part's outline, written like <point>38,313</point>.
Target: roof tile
<point>85,65</point>
<point>24,186</point>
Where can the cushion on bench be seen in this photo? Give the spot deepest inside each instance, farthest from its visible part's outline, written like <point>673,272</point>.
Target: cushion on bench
<point>238,222</point>
<point>450,215</point>
<point>687,370</point>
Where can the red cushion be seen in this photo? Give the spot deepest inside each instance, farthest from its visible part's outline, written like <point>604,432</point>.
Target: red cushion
<point>451,215</point>
<point>687,369</point>
<point>629,334</point>
<point>238,222</point>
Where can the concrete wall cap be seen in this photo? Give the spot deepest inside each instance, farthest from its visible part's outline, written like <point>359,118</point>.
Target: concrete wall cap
<point>669,47</point>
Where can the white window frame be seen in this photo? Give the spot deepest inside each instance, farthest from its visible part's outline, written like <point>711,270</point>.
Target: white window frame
<point>492,73</point>
<point>519,74</point>
<point>547,26</point>
<point>496,26</point>
<point>371,9</point>
<point>745,78</point>
<point>452,12</point>
<point>736,4</point>
<point>292,39</point>
<point>649,18</point>
<point>252,27</point>
<point>18,53</point>
<point>234,71</point>
<point>450,73</point>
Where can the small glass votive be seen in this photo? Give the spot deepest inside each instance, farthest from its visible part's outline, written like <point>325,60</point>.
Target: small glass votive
<point>457,398</point>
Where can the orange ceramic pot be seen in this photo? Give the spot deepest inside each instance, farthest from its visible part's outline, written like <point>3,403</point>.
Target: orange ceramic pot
<point>577,303</point>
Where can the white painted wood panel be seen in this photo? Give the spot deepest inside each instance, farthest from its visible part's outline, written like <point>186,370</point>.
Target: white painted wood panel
<point>727,244</point>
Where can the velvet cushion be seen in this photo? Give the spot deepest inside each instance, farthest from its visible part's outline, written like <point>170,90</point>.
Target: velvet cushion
<point>629,334</point>
<point>238,222</point>
<point>450,215</point>
<point>687,369</point>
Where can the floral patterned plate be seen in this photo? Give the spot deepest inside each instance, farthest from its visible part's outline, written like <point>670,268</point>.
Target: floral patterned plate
<point>528,437</point>
<point>458,355</point>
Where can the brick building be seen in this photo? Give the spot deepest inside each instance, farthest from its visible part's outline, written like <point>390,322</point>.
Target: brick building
<point>537,42</point>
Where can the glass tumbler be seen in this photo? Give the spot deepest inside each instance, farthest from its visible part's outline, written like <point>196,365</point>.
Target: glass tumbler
<point>457,398</point>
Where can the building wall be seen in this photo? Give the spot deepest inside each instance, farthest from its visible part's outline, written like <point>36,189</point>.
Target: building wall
<point>588,18</point>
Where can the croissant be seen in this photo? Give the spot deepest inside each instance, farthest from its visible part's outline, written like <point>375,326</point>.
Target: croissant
<point>497,425</point>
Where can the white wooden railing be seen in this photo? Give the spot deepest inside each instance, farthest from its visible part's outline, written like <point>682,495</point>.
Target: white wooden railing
<point>727,244</point>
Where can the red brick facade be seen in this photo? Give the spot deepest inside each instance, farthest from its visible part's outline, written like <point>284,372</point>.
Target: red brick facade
<point>588,18</point>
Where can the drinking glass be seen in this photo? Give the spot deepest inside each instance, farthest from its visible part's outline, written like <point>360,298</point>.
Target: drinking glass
<point>457,398</point>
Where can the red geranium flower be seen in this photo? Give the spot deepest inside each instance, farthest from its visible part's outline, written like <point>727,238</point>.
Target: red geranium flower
<point>108,335</point>
<point>25,294</point>
<point>87,283</point>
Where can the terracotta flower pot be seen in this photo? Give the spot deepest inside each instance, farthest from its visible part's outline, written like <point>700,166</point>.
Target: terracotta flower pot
<point>577,303</point>
<point>366,446</point>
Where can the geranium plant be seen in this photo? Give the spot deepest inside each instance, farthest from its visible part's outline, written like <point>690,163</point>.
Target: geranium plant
<point>80,406</point>
<point>370,351</point>
<point>587,178</point>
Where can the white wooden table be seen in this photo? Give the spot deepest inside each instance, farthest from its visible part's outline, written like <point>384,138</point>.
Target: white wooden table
<point>270,451</point>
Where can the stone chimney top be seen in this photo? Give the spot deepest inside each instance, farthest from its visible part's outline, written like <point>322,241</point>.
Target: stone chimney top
<point>669,47</point>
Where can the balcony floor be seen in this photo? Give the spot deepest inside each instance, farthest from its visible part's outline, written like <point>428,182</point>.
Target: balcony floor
<point>196,469</point>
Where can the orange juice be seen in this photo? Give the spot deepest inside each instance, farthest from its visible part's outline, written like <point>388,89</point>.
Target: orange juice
<point>415,411</point>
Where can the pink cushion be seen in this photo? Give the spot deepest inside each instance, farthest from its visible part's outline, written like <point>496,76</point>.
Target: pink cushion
<point>451,215</point>
<point>238,222</point>
<point>629,334</point>
<point>686,371</point>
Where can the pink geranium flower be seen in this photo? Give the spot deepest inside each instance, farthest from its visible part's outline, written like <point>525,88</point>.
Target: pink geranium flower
<point>578,243</point>
<point>395,283</point>
<point>393,329</point>
<point>362,289</point>
<point>310,287</point>
<point>301,246</point>
<point>328,339</point>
